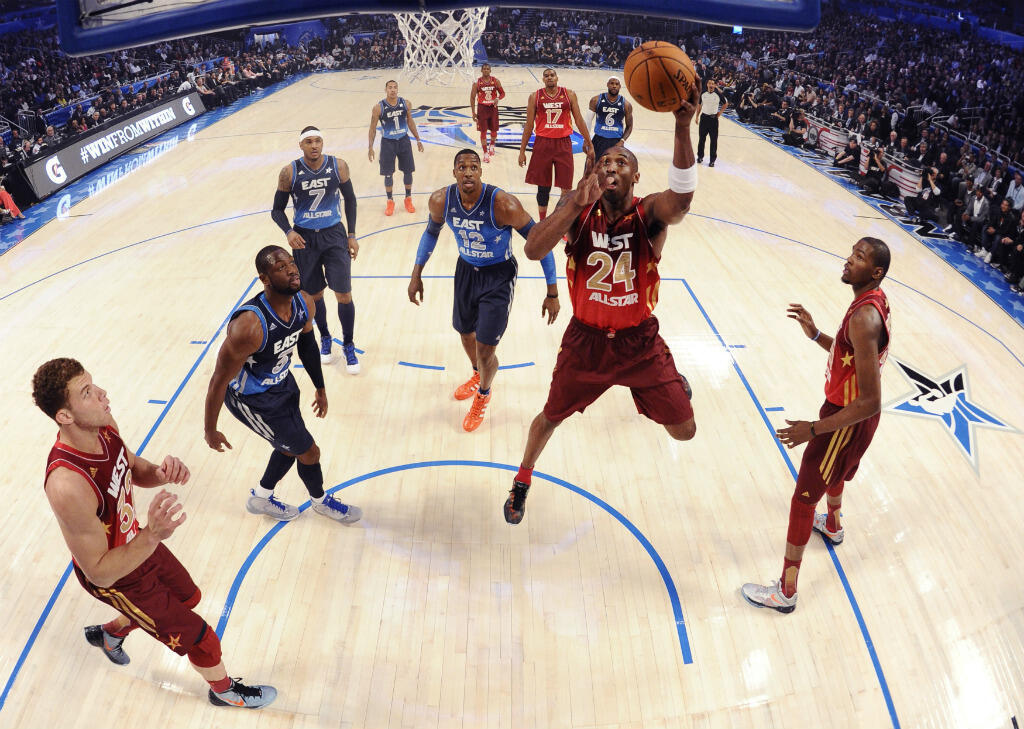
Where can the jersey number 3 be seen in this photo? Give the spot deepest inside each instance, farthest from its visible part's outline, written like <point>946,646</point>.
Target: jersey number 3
<point>621,270</point>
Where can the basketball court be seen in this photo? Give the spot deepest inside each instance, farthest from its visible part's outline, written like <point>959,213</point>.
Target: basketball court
<point>616,602</point>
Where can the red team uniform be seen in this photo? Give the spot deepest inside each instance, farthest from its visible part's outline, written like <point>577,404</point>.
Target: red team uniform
<point>159,594</point>
<point>487,104</point>
<point>832,458</point>
<point>551,143</point>
<point>612,338</point>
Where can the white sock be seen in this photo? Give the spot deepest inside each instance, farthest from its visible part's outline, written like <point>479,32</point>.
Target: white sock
<point>318,499</point>
<point>263,493</point>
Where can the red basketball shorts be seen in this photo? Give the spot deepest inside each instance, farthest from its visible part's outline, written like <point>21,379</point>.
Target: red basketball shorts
<point>589,362</point>
<point>831,458</point>
<point>487,118</point>
<point>550,153</point>
<point>153,595</point>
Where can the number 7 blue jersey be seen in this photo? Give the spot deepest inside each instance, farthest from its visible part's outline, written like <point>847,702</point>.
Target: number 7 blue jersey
<point>316,194</point>
<point>481,242</point>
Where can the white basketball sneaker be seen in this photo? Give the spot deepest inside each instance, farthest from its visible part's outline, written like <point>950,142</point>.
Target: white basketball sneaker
<point>835,537</point>
<point>769,596</point>
<point>270,507</point>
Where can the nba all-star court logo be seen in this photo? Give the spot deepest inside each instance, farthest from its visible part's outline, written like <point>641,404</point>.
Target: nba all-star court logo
<point>947,399</point>
<point>453,126</point>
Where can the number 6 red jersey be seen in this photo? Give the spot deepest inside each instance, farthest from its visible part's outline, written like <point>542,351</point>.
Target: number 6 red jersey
<point>612,270</point>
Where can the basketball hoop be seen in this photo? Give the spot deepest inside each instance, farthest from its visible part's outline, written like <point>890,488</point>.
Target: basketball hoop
<point>439,46</point>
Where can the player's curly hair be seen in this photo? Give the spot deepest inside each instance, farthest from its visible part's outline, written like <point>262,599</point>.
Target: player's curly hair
<point>50,383</point>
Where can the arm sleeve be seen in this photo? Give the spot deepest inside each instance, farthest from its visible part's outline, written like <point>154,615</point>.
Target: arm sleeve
<point>427,242</point>
<point>278,214</point>
<point>547,263</point>
<point>350,206</point>
<point>309,355</point>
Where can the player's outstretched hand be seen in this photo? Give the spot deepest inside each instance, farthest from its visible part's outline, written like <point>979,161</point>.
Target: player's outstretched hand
<point>172,470</point>
<point>295,240</point>
<point>550,307</point>
<point>216,440</point>
<point>688,108</point>
<point>320,403</point>
<point>799,314</point>
<point>799,431</point>
<point>162,512</point>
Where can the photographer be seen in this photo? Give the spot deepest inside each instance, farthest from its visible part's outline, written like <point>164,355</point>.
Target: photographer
<point>872,178</point>
<point>797,129</point>
<point>924,205</point>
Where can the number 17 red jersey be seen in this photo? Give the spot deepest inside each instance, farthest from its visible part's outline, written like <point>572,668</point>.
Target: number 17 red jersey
<point>612,270</point>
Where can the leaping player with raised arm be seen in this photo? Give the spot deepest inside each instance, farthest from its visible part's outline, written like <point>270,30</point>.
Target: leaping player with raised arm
<point>615,241</point>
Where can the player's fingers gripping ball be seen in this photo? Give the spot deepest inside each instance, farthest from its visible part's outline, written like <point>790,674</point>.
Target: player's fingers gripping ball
<point>660,76</point>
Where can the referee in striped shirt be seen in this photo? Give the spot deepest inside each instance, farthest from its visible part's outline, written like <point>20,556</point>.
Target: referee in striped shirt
<point>712,104</point>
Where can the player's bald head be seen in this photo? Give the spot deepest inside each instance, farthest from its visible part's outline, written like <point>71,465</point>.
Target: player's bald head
<point>618,149</point>
<point>265,258</point>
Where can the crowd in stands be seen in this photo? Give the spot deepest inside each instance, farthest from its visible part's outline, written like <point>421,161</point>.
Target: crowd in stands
<point>907,95</point>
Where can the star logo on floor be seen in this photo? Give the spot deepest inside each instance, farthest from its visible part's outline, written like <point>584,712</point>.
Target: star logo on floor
<point>947,399</point>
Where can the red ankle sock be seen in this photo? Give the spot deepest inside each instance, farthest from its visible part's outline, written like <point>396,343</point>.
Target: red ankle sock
<point>832,523</point>
<point>790,571</point>
<point>221,685</point>
<point>542,214</point>
<point>113,629</point>
<point>524,475</point>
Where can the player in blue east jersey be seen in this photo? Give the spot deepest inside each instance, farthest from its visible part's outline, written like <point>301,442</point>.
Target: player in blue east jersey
<point>614,118</point>
<point>482,218</point>
<point>323,252</point>
<point>254,380</point>
<point>394,114</point>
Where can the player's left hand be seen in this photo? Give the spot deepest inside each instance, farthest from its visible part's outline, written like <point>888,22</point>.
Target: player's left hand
<point>353,247</point>
<point>551,307</point>
<point>419,145</point>
<point>320,403</point>
<point>799,431</point>
<point>172,470</point>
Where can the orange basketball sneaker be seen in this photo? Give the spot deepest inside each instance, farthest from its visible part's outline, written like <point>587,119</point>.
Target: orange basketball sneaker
<point>468,388</point>
<point>475,416</point>
<point>389,209</point>
<point>408,205</point>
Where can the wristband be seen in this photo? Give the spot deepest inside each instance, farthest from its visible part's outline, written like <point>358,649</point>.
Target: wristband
<point>813,434</point>
<point>682,181</point>
<point>815,337</point>
<point>552,296</point>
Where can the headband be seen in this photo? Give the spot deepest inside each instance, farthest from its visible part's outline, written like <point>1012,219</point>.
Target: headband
<point>310,133</point>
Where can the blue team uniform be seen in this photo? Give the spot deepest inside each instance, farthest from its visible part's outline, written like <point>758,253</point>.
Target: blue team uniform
<point>316,196</point>
<point>264,395</point>
<point>485,275</point>
<point>610,124</point>
<point>395,143</point>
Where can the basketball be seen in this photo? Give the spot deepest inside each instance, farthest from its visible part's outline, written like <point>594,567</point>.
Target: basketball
<point>659,75</point>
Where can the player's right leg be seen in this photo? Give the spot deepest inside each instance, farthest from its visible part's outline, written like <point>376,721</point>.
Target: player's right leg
<point>468,388</point>
<point>388,153</point>
<point>540,433</point>
<point>110,636</point>
<point>323,503</point>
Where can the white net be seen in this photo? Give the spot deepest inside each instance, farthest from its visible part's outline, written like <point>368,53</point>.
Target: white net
<point>439,45</point>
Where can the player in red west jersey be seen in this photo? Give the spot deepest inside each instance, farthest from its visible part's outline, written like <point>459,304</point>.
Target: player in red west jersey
<point>90,474</point>
<point>550,113</point>
<point>484,96</point>
<point>614,244</point>
<point>846,422</point>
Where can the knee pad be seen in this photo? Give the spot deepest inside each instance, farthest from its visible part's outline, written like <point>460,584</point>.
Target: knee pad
<point>407,179</point>
<point>389,180</point>
<point>206,653</point>
<point>543,195</point>
<point>194,600</point>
